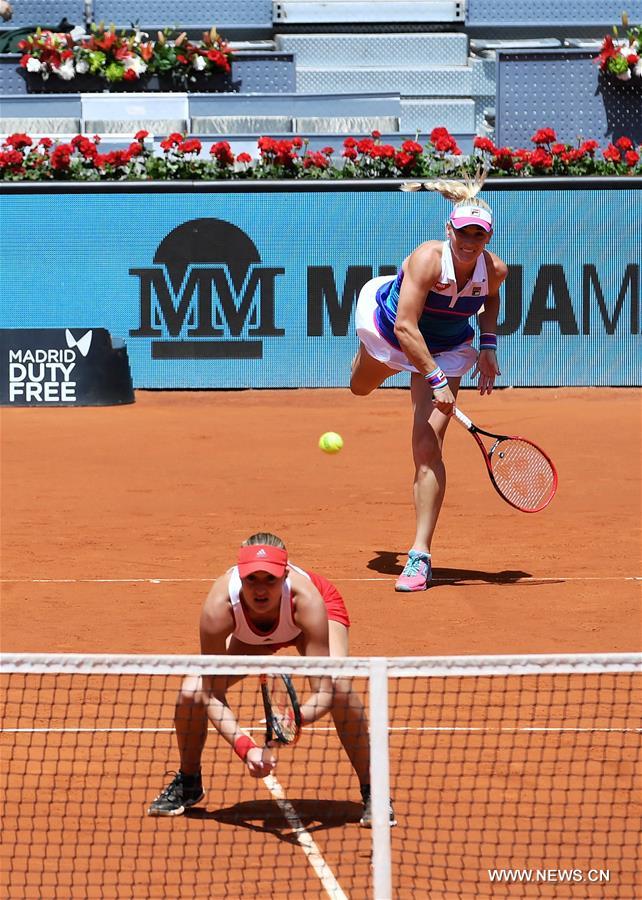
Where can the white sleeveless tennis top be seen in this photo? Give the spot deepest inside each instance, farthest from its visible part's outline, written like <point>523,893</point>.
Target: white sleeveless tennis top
<point>285,629</point>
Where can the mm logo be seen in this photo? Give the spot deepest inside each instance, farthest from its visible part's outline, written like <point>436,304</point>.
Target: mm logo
<point>207,296</point>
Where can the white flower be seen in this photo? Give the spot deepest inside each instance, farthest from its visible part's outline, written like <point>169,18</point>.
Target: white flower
<point>77,33</point>
<point>33,65</point>
<point>66,70</point>
<point>624,76</point>
<point>638,68</point>
<point>136,63</point>
<point>82,66</point>
<point>199,64</point>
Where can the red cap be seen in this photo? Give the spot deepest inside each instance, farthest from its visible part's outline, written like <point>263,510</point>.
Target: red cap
<point>262,558</point>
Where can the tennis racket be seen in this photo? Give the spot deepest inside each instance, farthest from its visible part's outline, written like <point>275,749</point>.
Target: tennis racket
<point>282,710</point>
<point>521,473</point>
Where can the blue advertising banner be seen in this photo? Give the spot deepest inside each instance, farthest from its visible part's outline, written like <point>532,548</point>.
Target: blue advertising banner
<point>235,288</point>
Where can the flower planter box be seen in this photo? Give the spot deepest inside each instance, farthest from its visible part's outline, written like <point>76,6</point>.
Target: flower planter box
<point>252,73</point>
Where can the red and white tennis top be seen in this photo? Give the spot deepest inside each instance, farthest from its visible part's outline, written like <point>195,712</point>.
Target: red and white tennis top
<point>285,630</point>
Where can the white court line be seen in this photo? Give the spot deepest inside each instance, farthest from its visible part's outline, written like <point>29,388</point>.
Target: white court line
<point>533,578</point>
<point>305,841</point>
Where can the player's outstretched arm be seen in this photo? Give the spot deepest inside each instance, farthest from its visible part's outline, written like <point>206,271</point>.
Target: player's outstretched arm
<point>487,367</point>
<point>217,623</point>
<point>312,618</point>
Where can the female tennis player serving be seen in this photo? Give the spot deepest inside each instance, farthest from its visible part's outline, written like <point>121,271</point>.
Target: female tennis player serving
<point>260,605</point>
<point>419,322</point>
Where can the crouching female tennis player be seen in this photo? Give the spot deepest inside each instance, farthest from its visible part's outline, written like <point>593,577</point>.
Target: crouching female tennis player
<point>260,605</point>
<point>418,322</point>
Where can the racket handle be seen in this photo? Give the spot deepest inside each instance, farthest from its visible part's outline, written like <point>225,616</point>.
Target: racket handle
<point>462,419</point>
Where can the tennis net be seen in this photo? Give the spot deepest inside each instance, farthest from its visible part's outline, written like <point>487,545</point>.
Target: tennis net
<point>516,777</point>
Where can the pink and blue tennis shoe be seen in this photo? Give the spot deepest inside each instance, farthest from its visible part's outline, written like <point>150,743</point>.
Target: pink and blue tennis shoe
<point>416,574</point>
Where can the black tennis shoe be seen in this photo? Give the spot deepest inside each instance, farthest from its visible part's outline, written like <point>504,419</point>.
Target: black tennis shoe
<point>184,791</point>
<point>366,817</point>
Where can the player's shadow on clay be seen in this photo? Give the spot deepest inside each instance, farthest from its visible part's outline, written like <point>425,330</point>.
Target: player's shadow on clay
<point>267,817</point>
<point>388,562</point>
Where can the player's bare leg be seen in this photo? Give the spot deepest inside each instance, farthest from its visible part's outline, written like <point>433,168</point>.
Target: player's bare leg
<point>348,712</point>
<point>428,432</point>
<point>367,373</point>
<point>190,723</point>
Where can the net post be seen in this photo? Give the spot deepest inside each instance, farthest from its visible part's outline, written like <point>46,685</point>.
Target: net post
<point>380,779</point>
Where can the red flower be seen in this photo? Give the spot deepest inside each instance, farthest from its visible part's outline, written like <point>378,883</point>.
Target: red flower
<point>544,136</point>
<point>223,154</point>
<point>589,147</point>
<point>612,153</point>
<point>141,135</point>
<point>404,160</point>
<point>243,158</point>
<point>484,144</point>
<point>365,145</point>
<point>438,133</point>
<point>10,159</point>
<point>328,151</point>
<point>376,134</point>
<point>350,153</point>
<point>447,145</point>
<point>61,157</point>
<point>193,145</point>
<point>412,147</point>
<point>350,142</point>
<point>558,149</point>
<point>503,158</point>
<point>173,140</point>
<point>19,140</point>
<point>624,143</point>
<point>607,52</point>
<point>318,160</point>
<point>266,144</point>
<point>540,159</point>
<point>130,75</point>
<point>632,158</point>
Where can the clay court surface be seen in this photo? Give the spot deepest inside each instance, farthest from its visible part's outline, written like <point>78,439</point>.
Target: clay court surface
<point>98,502</point>
<point>116,520</point>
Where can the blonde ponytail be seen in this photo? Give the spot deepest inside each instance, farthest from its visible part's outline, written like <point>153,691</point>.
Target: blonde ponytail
<point>464,192</point>
<point>459,191</point>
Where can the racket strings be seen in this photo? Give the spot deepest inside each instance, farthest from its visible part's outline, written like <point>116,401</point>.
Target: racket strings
<point>282,708</point>
<point>522,474</point>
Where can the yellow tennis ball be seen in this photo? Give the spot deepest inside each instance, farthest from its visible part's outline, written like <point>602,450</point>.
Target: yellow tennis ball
<point>330,442</point>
